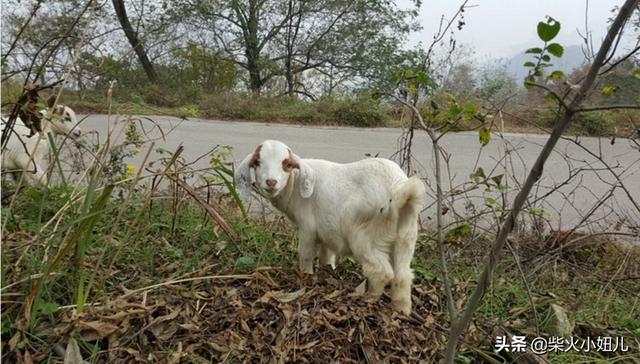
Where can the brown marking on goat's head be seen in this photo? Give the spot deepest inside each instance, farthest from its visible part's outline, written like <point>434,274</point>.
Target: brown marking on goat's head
<point>255,159</point>
<point>288,164</point>
<point>32,119</point>
<point>51,101</point>
<point>29,113</point>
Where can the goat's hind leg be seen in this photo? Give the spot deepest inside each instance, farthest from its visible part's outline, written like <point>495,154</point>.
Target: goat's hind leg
<point>375,266</point>
<point>401,285</point>
<point>34,179</point>
<point>30,172</point>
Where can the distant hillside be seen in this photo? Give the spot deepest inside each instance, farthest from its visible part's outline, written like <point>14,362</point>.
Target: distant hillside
<point>571,59</point>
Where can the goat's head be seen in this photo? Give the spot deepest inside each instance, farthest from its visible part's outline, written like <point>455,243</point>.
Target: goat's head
<point>272,163</point>
<point>62,119</point>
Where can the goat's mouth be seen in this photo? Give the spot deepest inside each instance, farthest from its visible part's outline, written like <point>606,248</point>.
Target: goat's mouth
<point>272,191</point>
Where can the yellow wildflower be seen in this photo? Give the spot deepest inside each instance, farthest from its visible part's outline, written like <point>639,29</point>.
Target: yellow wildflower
<point>131,169</point>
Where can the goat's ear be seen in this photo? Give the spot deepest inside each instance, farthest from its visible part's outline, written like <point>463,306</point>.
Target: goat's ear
<point>32,118</point>
<point>37,121</point>
<point>242,176</point>
<point>51,101</point>
<point>307,177</point>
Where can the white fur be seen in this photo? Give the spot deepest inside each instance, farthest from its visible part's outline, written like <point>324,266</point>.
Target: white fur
<point>25,154</point>
<point>366,209</point>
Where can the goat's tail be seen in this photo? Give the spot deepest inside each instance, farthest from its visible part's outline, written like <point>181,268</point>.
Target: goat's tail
<point>407,198</point>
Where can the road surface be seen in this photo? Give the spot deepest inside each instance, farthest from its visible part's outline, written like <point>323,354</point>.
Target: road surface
<point>563,208</point>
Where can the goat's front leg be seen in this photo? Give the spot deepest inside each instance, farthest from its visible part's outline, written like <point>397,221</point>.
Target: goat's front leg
<point>327,257</point>
<point>307,250</point>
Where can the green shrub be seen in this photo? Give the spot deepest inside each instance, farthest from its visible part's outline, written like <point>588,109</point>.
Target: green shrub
<point>354,112</point>
<point>11,92</point>
<point>159,96</point>
<point>548,118</point>
<point>594,124</point>
<point>358,112</point>
<point>588,123</point>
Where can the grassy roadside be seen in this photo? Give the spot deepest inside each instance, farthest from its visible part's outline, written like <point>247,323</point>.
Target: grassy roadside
<point>358,111</point>
<point>173,239</point>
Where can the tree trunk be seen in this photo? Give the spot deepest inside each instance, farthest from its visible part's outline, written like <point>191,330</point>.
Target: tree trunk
<point>252,47</point>
<point>288,63</point>
<point>132,36</point>
<point>255,80</point>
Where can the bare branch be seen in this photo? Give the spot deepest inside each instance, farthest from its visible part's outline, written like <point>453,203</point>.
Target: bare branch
<point>622,59</point>
<point>607,107</point>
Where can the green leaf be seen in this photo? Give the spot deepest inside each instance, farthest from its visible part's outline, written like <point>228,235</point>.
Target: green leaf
<point>434,105</point>
<point>245,263</point>
<point>550,99</point>
<point>547,31</point>
<point>412,89</point>
<point>528,82</point>
<point>454,111</point>
<point>484,135</point>
<point>556,75</point>
<point>6,324</point>
<point>536,211</point>
<point>479,175</point>
<point>470,110</point>
<point>535,50</point>
<point>555,49</point>
<point>497,179</point>
<point>529,64</point>
<point>47,308</point>
<point>546,58</point>
<point>408,74</point>
<point>459,232</point>
<point>608,90</point>
<point>395,77</point>
<point>376,94</point>
<point>636,73</point>
<point>422,78</point>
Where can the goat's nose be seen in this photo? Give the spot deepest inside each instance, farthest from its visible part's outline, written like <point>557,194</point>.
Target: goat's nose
<point>271,182</point>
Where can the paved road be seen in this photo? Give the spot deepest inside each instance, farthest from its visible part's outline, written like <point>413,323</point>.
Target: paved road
<point>565,207</point>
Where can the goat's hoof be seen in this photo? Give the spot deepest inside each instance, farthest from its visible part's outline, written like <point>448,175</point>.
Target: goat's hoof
<point>402,307</point>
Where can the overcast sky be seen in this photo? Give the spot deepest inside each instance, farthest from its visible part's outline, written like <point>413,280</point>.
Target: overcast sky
<point>503,28</point>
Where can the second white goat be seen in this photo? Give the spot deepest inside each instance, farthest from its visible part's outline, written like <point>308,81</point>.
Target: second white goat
<point>366,209</point>
<point>27,149</point>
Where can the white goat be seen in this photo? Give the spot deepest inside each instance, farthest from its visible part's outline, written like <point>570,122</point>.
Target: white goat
<point>24,153</point>
<point>366,209</point>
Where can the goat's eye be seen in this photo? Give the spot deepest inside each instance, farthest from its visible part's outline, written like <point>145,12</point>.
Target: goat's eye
<point>288,165</point>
